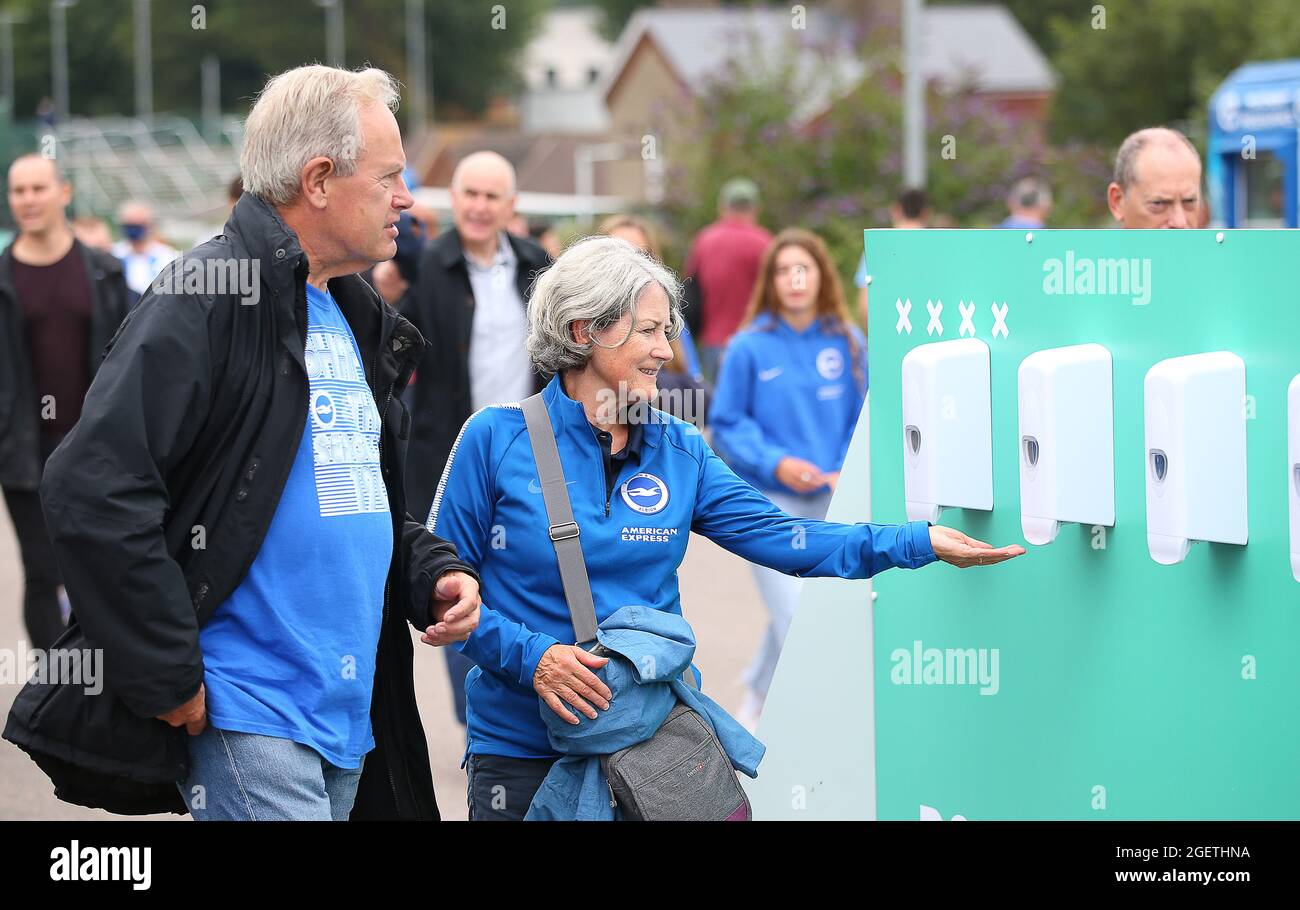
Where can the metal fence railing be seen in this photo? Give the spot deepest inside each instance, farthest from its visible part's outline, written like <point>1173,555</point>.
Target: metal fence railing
<point>164,161</point>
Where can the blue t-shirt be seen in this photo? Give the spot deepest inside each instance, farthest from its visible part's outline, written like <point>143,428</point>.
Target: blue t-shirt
<point>1015,222</point>
<point>291,653</point>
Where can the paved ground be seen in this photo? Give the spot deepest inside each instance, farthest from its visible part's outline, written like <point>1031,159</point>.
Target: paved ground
<point>717,590</point>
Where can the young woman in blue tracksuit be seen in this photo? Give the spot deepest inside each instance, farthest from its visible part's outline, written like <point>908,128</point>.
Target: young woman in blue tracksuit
<point>601,319</point>
<point>789,393</point>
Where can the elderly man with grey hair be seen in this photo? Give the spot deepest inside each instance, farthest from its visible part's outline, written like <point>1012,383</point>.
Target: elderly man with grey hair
<point>469,301</point>
<point>639,482</point>
<point>230,513</point>
<point>1028,205</point>
<point>1157,181</point>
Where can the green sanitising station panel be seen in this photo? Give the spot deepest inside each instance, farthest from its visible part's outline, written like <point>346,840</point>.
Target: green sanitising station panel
<point>1140,661</point>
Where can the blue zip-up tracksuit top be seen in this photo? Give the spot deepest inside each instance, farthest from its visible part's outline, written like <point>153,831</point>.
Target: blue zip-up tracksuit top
<point>489,504</point>
<point>783,392</point>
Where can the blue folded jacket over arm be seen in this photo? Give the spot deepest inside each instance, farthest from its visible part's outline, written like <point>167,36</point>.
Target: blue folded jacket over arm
<point>655,647</point>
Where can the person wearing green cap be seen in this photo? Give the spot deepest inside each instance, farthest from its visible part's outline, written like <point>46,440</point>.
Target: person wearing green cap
<point>722,266</point>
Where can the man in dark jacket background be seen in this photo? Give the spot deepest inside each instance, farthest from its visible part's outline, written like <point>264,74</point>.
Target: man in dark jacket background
<point>230,513</point>
<point>470,302</point>
<point>60,303</point>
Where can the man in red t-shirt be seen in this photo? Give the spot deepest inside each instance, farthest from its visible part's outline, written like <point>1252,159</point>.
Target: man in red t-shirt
<point>723,266</point>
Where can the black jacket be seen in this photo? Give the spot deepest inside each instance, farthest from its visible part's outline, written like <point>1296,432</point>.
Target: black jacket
<point>441,304</point>
<point>192,425</point>
<point>20,451</point>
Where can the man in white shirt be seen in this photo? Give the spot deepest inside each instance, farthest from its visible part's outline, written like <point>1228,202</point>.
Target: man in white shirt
<point>469,302</point>
<point>500,326</point>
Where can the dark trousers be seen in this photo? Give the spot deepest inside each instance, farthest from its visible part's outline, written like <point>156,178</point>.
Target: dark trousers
<point>41,612</point>
<point>501,788</point>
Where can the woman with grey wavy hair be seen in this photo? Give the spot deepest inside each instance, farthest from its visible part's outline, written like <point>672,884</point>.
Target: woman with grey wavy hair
<point>639,483</point>
<point>597,281</point>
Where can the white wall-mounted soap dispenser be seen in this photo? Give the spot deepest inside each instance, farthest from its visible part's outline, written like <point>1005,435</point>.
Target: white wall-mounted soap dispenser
<point>1293,470</point>
<point>1195,453</point>
<point>947,428</point>
<point>1067,440</point>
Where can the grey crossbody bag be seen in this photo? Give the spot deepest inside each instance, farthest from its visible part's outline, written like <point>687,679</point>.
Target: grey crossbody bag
<point>681,773</point>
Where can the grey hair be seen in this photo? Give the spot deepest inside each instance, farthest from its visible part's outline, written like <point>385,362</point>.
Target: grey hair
<point>598,279</point>
<point>1132,146</point>
<point>305,113</point>
<point>1030,193</point>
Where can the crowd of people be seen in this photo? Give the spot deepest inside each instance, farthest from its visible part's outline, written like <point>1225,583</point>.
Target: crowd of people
<point>249,566</point>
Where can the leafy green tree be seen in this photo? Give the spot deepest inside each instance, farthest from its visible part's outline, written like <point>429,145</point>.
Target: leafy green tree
<point>838,173</point>
<point>472,49</point>
<point>1140,69</point>
<point>1158,61</point>
<point>1036,16</point>
<point>615,15</point>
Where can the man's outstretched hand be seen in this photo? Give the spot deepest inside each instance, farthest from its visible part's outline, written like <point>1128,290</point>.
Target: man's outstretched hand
<point>955,548</point>
<point>454,604</point>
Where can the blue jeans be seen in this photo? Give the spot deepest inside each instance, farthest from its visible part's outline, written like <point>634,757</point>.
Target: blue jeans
<point>780,593</point>
<point>250,777</point>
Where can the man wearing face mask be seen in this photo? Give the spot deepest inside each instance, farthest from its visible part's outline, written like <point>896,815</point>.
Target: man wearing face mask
<point>143,255</point>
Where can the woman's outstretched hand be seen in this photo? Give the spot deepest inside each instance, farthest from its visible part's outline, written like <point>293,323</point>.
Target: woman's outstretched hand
<point>954,547</point>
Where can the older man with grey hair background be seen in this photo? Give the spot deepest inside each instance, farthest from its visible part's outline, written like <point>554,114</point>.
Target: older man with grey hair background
<point>1157,181</point>
<point>470,301</point>
<point>1028,205</point>
<point>229,512</point>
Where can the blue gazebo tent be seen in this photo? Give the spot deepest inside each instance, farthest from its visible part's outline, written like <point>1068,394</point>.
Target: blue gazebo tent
<point>1251,165</point>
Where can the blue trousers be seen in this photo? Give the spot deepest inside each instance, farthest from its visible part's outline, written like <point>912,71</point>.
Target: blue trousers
<point>250,777</point>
